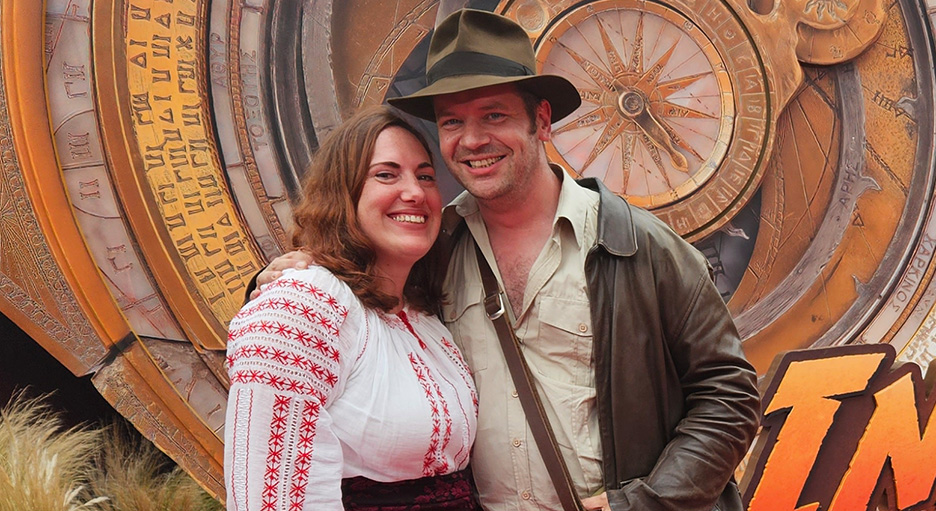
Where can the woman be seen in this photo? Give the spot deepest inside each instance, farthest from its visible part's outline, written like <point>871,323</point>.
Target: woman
<point>345,390</point>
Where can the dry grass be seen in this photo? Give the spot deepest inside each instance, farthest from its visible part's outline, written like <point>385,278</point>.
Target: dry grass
<point>45,467</point>
<point>42,466</point>
<point>135,476</point>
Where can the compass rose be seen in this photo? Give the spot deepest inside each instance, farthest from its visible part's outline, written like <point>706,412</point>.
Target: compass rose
<point>657,106</point>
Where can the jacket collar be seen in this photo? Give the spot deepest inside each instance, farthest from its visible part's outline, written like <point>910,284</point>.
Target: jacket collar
<point>616,232</point>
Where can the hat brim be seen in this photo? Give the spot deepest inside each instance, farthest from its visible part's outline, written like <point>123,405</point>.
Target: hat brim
<point>563,97</point>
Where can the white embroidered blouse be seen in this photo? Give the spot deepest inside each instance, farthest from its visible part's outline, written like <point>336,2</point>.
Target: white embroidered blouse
<point>323,388</point>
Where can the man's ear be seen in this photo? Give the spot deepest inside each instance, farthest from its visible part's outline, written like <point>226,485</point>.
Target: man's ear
<point>543,122</point>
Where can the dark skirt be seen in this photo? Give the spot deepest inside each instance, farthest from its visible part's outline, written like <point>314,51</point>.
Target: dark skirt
<point>450,492</point>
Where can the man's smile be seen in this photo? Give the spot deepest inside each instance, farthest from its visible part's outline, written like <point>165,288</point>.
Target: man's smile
<point>480,164</point>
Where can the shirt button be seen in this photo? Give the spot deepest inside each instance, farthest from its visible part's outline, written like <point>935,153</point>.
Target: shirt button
<point>516,442</point>
<point>514,393</point>
<point>583,327</point>
<point>525,495</point>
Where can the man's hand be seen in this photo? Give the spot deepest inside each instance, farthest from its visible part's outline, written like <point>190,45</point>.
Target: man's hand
<point>599,501</point>
<point>296,259</point>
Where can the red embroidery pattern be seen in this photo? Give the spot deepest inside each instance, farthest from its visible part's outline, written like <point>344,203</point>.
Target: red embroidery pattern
<point>394,321</point>
<point>253,353</point>
<point>275,452</point>
<point>287,341</point>
<point>300,479</point>
<point>264,338</point>
<point>303,287</point>
<point>465,372</point>
<point>434,463</point>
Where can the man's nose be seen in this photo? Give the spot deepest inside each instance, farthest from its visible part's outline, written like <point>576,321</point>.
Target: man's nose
<point>474,136</point>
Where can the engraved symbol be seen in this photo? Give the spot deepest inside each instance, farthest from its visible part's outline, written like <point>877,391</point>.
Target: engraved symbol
<point>79,146</point>
<point>73,75</point>
<point>113,253</point>
<point>631,103</point>
<point>825,8</point>
<point>89,189</point>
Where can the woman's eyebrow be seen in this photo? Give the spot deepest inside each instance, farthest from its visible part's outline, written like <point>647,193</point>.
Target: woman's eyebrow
<point>385,163</point>
<point>397,165</point>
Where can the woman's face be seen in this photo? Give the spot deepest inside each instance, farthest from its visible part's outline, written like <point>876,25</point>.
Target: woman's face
<point>400,207</point>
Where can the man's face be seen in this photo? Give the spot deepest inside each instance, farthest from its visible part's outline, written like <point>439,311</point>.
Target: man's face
<point>487,140</point>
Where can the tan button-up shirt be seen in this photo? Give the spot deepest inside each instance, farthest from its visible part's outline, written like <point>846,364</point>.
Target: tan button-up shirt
<point>555,330</point>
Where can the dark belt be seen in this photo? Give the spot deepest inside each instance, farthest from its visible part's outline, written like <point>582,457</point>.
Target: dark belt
<point>450,492</point>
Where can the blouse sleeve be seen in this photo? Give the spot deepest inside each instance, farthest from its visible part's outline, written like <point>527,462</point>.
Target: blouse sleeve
<point>289,354</point>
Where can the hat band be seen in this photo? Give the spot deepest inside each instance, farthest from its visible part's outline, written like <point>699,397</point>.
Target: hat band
<point>473,63</point>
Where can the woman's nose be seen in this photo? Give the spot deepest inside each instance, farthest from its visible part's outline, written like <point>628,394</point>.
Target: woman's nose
<point>412,189</point>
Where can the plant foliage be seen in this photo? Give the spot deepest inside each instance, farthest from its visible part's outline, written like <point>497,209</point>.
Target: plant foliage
<point>47,467</point>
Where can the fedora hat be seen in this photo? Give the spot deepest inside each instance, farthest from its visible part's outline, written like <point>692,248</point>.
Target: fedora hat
<point>471,49</point>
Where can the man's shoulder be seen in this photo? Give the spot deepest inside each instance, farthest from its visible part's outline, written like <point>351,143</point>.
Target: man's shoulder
<point>624,229</point>
<point>633,230</point>
<point>650,225</point>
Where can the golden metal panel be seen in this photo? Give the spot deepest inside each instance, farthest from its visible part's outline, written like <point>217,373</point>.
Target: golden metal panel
<point>166,252</point>
<point>23,80</point>
<point>164,63</point>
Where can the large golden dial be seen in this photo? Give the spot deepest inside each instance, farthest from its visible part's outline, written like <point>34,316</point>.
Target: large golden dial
<point>658,105</point>
<point>677,104</point>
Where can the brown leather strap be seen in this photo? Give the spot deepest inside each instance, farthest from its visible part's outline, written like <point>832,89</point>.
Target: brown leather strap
<point>526,389</point>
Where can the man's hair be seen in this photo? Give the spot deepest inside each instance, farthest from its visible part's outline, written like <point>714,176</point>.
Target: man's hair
<point>530,102</point>
<point>326,223</point>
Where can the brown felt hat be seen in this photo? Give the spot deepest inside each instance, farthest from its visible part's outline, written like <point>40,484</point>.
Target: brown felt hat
<point>471,49</point>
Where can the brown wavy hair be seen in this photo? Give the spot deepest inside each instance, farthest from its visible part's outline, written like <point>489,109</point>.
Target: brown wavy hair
<point>326,224</point>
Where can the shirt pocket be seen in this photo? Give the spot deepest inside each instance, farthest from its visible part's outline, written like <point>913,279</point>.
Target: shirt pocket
<point>564,340</point>
<point>465,317</point>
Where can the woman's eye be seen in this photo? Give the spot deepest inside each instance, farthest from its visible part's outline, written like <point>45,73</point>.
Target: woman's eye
<point>427,177</point>
<point>384,175</point>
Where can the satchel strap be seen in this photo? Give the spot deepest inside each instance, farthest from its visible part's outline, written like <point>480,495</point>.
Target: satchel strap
<point>526,389</point>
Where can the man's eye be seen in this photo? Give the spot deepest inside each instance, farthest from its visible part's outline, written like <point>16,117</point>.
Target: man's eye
<point>495,116</point>
<point>449,123</point>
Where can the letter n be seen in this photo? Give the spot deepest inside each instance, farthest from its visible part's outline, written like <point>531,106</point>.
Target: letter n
<point>893,434</point>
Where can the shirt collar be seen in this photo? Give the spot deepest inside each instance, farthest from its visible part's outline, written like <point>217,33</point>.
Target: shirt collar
<point>573,204</point>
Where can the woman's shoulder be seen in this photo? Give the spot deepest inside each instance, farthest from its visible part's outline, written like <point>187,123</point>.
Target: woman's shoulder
<point>307,301</point>
<point>315,287</point>
<point>316,280</point>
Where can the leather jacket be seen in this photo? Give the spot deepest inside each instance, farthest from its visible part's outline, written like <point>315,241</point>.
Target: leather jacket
<point>677,401</point>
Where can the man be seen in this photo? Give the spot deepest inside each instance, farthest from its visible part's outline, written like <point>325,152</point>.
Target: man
<point>638,362</point>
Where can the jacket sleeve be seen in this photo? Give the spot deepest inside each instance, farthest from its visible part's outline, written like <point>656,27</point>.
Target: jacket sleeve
<point>287,355</point>
<point>719,401</point>
<point>251,285</point>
